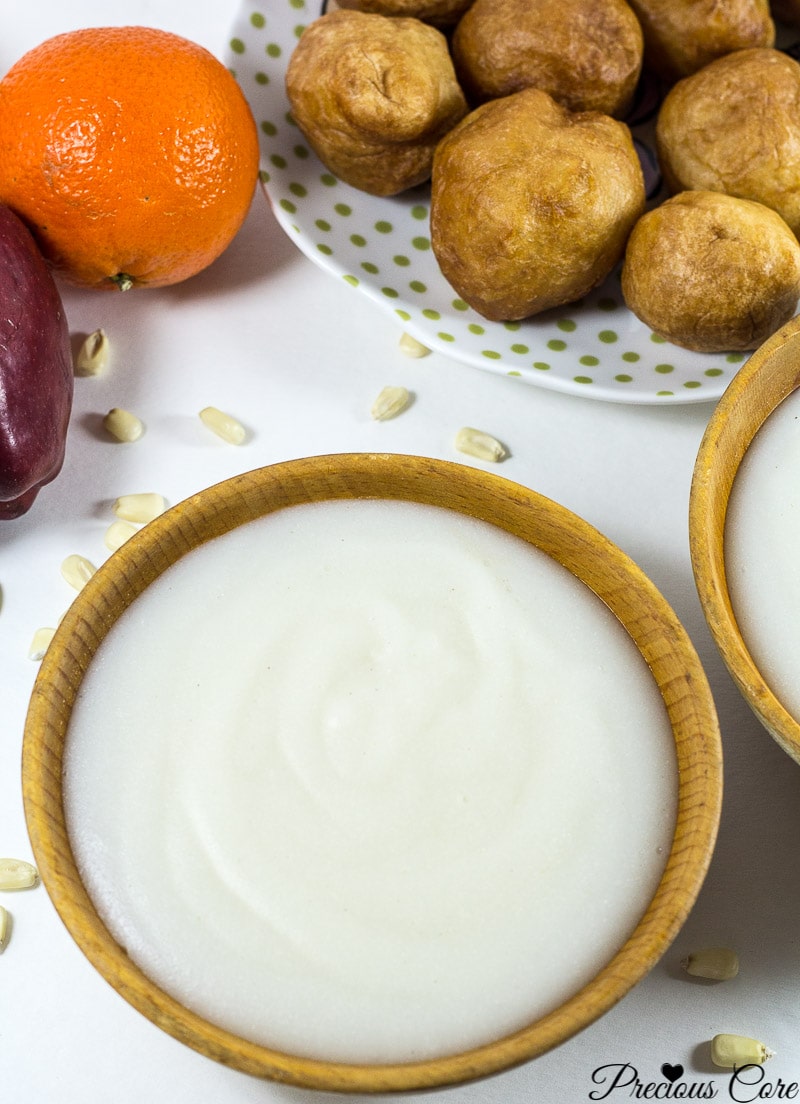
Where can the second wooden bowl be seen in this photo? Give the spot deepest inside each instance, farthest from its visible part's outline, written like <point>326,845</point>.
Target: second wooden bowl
<point>770,375</point>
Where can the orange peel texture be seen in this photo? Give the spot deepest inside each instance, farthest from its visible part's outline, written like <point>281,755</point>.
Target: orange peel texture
<point>131,153</point>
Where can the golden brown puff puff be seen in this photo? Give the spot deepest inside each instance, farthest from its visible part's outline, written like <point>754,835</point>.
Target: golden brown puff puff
<point>531,205</point>
<point>587,54</point>
<point>734,127</point>
<point>681,36</point>
<point>711,272</point>
<point>441,13</point>
<point>373,95</point>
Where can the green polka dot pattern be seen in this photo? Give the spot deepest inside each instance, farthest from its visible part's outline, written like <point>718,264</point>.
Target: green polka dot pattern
<point>595,348</point>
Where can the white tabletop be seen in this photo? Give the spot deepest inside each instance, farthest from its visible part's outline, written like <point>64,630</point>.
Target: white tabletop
<point>299,357</point>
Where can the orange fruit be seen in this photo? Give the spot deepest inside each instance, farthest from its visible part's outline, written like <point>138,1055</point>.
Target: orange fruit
<point>131,154</point>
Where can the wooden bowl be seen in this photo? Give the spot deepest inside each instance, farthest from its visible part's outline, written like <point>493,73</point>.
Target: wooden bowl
<point>604,568</point>
<point>769,376</point>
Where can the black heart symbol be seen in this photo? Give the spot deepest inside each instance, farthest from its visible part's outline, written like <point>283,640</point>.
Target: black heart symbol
<point>672,1073</point>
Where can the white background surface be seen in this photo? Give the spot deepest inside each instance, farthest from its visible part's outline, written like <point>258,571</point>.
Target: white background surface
<point>299,358</point>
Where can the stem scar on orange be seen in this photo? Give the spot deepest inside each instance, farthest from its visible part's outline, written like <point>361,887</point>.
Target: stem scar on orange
<point>131,153</point>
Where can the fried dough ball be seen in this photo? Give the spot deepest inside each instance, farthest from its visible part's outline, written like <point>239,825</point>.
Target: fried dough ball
<point>587,54</point>
<point>373,95</point>
<point>734,127</point>
<point>711,272</point>
<point>531,205</point>
<point>441,13</point>
<point>681,36</point>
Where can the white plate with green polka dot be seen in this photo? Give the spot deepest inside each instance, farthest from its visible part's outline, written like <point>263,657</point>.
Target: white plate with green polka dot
<point>595,348</point>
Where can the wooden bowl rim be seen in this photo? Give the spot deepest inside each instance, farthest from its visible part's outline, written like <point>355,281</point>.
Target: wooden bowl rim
<point>471,491</point>
<point>756,390</point>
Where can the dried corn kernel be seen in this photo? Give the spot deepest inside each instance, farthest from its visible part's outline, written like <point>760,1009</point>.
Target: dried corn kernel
<point>224,425</point>
<point>92,356</point>
<point>715,963</point>
<point>117,533</point>
<point>413,348</point>
<point>123,425</point>
<point>40,643</point>
<point>476,443</point>
<point>390,402</point>
<point>139,508</point>
<point>5,928</point>
<point>17,874</point>
<point>733,1051</point>
<point>77,570</point>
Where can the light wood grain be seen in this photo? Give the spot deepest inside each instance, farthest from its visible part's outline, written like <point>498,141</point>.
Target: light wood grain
<point>768,377</point>
<point>573,543</point>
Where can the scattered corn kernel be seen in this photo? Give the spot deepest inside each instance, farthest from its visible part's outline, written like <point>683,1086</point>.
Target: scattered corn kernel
<point>92,356</point>
<point>413,348</point>
<point>17,874</point>
<point>5,928</point>
<point>716,963</point>
<point>40,643</point>
<point>224,425</point>
<point>139,508</point>
<point>476,443</point>
<point>390,402</point>
<point>117,533</point>
<point>77,570</point>
<point>733,1051</point>
<point>123,425</point>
